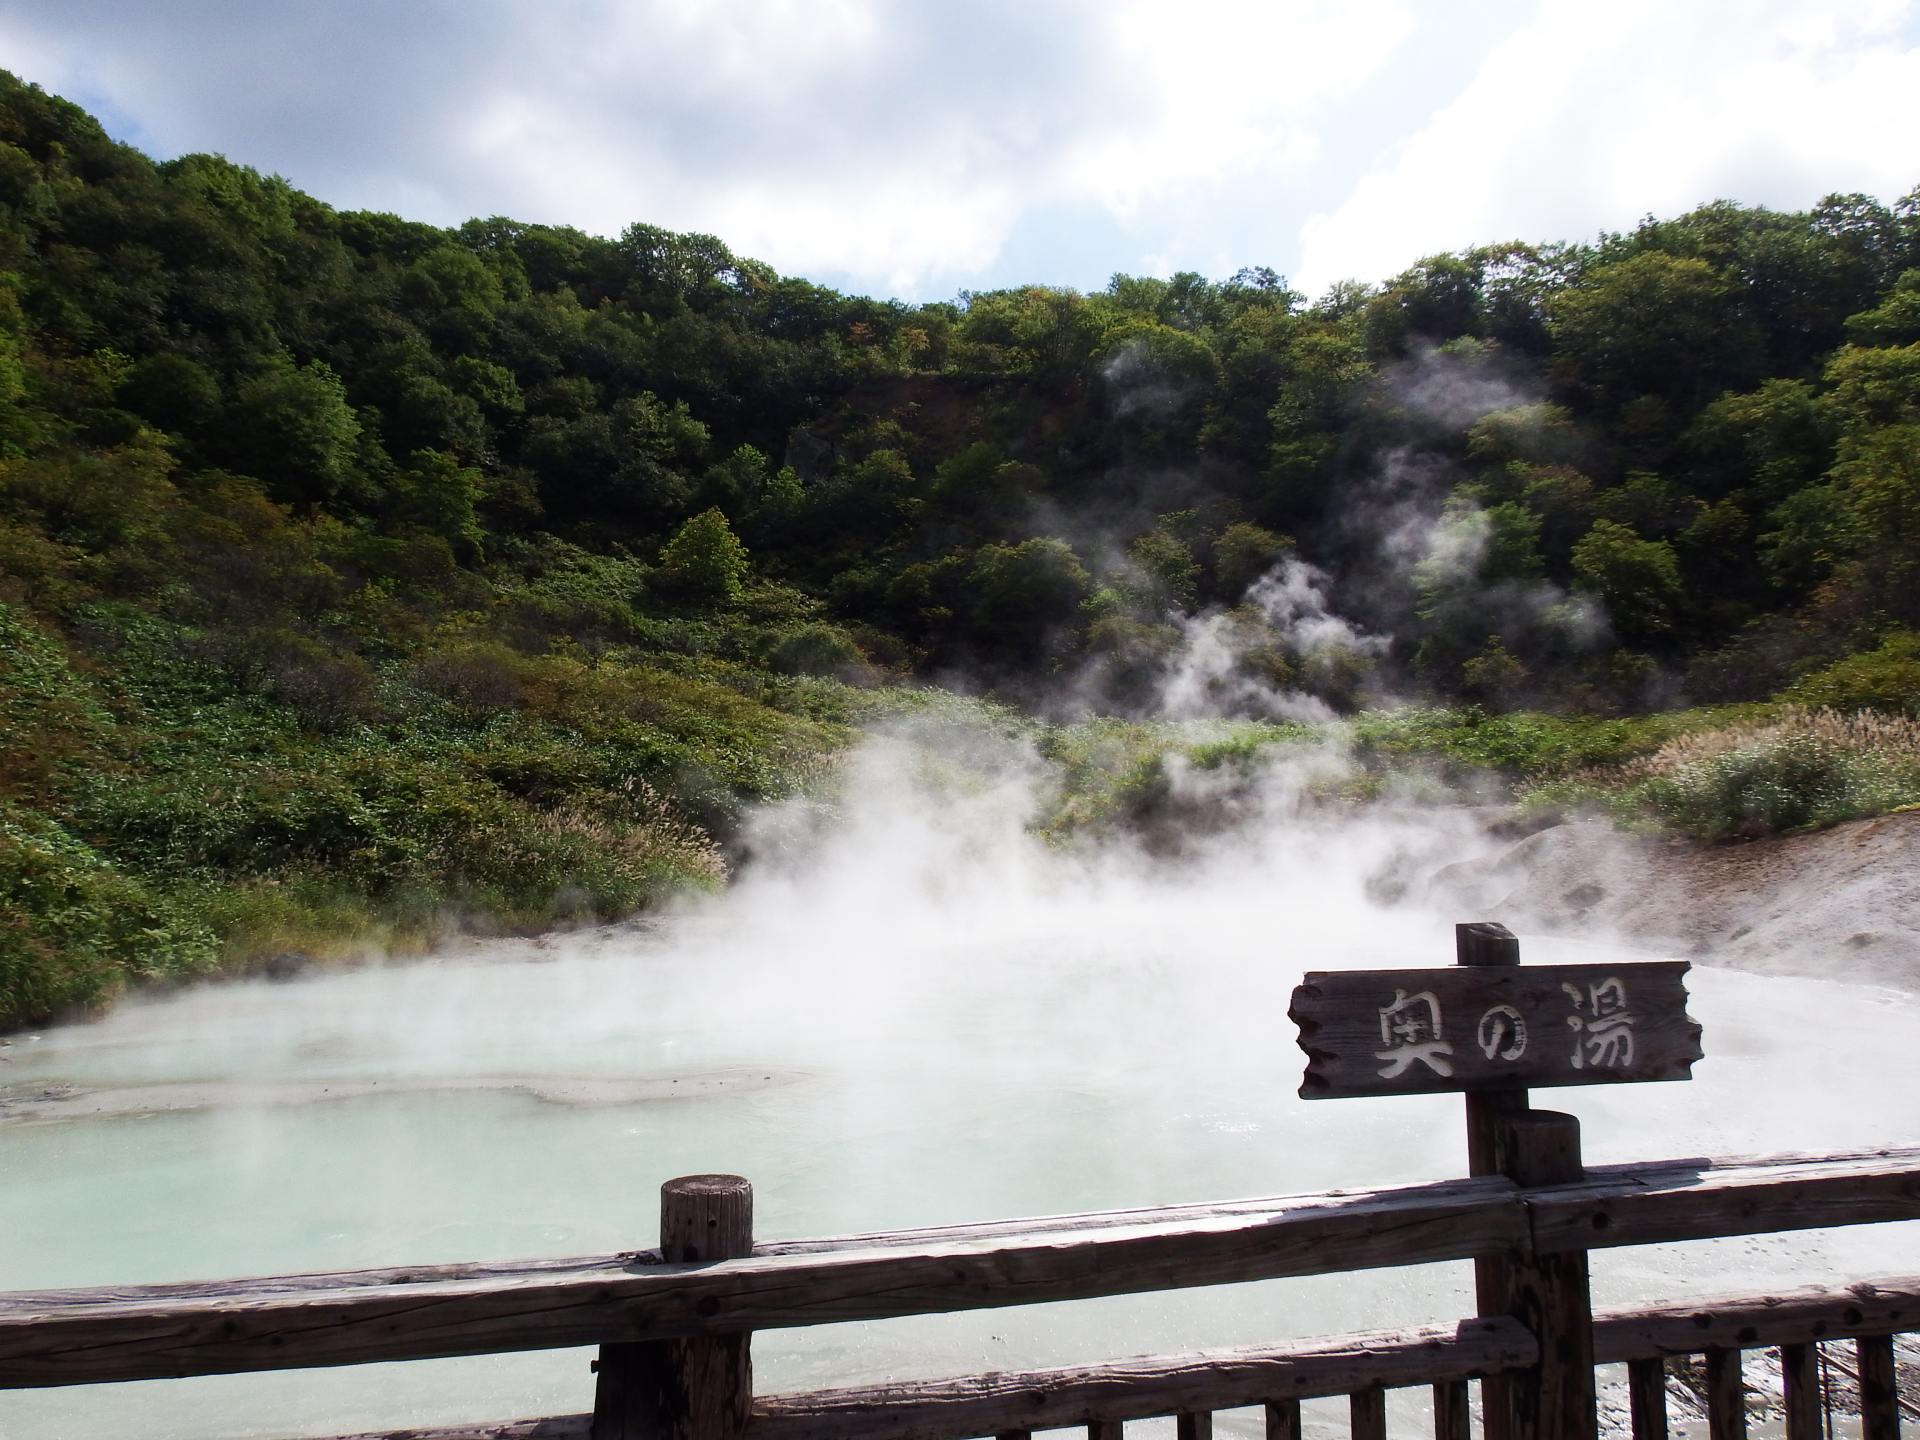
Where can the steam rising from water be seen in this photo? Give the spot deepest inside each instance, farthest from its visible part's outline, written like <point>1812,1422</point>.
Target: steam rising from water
<point>910,1010</point>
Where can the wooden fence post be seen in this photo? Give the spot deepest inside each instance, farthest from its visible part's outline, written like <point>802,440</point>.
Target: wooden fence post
<point>1647,1402</point>
<point>1549,1294</point>
<point>696,1389</point>
<point>1879,1394</point>
<point>1484,942</point>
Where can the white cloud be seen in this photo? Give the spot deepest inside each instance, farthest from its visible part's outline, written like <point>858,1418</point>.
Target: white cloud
<point>1590,116</point>
<point>889,139</point>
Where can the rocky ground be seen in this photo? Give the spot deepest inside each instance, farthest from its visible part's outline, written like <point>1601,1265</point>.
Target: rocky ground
<point>1840,903</point>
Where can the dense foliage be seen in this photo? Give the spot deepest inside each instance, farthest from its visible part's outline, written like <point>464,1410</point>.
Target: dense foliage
<point>359,576</point>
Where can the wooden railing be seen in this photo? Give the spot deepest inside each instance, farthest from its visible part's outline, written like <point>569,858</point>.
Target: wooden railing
<point>674,1323</point>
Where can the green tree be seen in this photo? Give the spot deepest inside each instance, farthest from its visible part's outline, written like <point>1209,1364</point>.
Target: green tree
<point>1638,580</point>
<point>1880,478</point>
<point>1242,553</point>
<point>705,560</point>
<point>291,426</point>
<point>439,495</point>
<point>1026,594</point>
<point>1169,575</point>
<point>1654,324</point>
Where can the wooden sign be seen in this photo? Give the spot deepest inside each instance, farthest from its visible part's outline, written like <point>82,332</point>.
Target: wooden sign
<point>1414,1032</point>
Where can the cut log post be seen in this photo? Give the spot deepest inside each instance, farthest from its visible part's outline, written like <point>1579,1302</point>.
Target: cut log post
<point>1106,1430</point>
<point>1283,1420</point>
<point>1485,942</point>
<point>1482,942</point>
<point>1193,1425</point>
<point>1549,1294</point>
<point>1879,1398</point>
<point>693,1389</point>
<point>1368,1409</point>
<point>1452,1412</point>
<point>1647,1399</point>
<point>1800,1384</point>
<point>1726,1396</point>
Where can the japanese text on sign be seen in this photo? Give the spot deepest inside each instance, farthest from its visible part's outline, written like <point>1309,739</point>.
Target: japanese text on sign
<point>1385,1032</point>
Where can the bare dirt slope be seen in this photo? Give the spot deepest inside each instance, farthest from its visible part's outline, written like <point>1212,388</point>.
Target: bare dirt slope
<point>1842,903</point>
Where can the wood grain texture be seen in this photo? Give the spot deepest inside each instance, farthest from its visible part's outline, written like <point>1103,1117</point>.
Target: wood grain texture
<point>699,1387</point>
<point>1638,1335</point>
<point>125,1333</point>
<point>557,1427</point>
<point>1700,1199</point>
<point>1800,1390</point>
<point>1790,1317</point>
<point>1647,1398</point>
<point>1548,1294</point>
<point>1726,1396</point>
<point>1417,1032</point>
<point>1486,943</point>
<point>1879,1399</point>
<point>1452,1411</point>
<point>240,1327</point>
<point>1367,1414</point>
<point>1146,1386</point>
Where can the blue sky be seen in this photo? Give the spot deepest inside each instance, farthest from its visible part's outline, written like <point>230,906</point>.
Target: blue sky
<point>910,148</point>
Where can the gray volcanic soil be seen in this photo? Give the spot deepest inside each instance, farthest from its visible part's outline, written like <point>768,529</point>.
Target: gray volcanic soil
<point>1842,903</point>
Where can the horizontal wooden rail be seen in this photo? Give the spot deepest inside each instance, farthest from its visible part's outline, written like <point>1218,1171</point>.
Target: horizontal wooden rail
<point>83,1337</point>
<point>1144,1386</point>
<point>244,1326</point>
<point>1138,1388</point>
<point>1736,1322</point>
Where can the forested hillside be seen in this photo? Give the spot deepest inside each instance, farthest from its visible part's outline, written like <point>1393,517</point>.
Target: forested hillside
<point>360,577</point>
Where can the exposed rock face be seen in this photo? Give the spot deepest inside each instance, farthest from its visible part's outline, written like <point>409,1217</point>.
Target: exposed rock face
<point>1842,903</point>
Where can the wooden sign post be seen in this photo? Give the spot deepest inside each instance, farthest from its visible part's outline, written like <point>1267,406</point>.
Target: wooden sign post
<point>1491,1028</point>
<point>1413,1032</point>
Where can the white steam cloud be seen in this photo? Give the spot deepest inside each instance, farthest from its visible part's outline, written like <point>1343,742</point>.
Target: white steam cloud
<point>1285,609</point>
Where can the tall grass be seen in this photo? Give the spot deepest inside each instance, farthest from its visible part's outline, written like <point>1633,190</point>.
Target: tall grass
<point>1792,768</point>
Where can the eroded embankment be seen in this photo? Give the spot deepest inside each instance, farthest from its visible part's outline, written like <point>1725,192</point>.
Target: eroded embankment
<point>1842,903</point>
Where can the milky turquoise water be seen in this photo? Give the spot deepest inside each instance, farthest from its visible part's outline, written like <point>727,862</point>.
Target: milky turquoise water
<point>976,1037</point>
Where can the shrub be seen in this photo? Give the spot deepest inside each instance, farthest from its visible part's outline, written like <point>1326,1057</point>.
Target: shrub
<point>1886,678</point>
<point>1795,769</point>
<point>73,928</point>
<point>818,650</point>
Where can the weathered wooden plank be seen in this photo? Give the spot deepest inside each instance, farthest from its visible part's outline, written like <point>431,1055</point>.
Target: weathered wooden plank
<point>68,1338</point>
<point>1548,1293</point>
<point>1700,1199</point>
<point>1647,1397</point>
<point>1412,1032</point>
<point>556,1427</point>
<point>1147,1386</point>
<point>1367,1414</point>
<point>1283,1420</point>
<point>1879,1162</point>
<point>1800,1389</point>
<point>1486,944</point>
<point>1726,1396</point>
<point>1452,1411</point>
<point>1636,1335</point>
<point>1754,1322</point>
<point>1193,1425</point>
<point>1879,1396</point>
<point>701,1387</point>
<point>233,1330</point>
